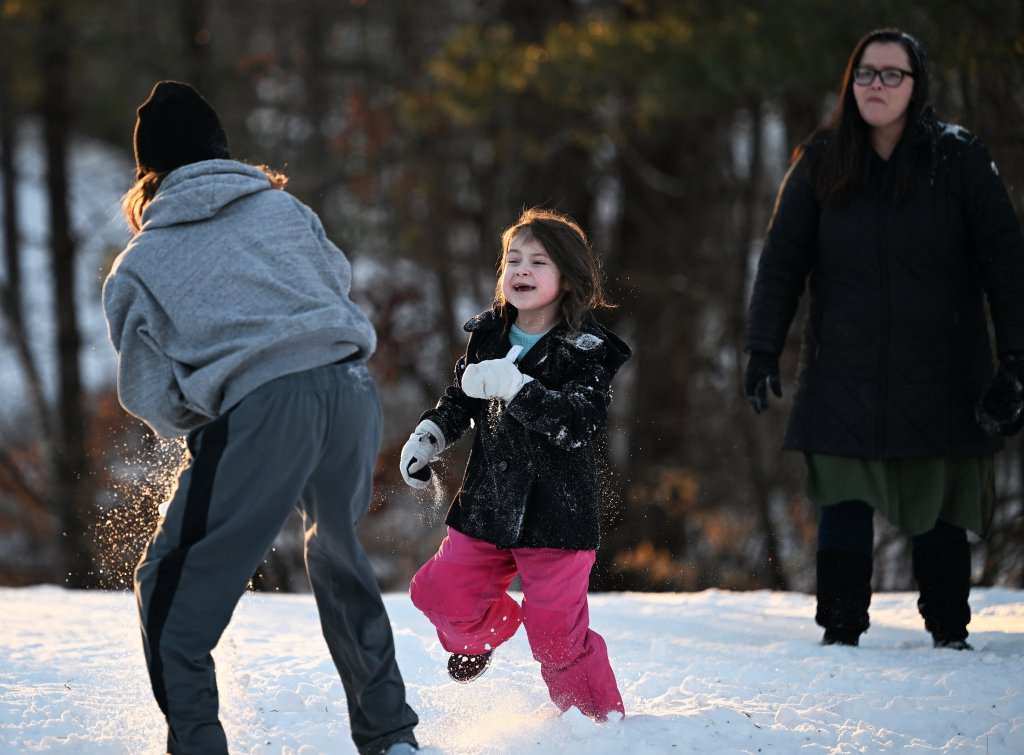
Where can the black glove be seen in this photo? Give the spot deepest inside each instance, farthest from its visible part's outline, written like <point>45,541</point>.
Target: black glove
<point>1000,408</point>
<point>762,373</point>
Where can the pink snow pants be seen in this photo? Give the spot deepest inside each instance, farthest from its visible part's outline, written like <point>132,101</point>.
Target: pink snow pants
<point>462,591</point>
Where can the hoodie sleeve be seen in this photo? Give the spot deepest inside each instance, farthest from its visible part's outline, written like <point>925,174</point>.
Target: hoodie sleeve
<point>146,385</point>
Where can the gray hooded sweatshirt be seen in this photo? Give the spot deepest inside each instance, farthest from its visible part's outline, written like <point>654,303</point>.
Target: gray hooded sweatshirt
<point>230,284</point>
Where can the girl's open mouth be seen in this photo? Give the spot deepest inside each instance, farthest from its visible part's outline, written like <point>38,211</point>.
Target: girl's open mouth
<point>520,287</point>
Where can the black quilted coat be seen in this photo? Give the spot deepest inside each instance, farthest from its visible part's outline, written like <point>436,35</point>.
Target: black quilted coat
<point>896,345</point>
<point>531,480</point>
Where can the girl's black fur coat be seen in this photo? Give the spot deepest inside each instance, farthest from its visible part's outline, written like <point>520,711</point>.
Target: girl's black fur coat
<point>531,480</point>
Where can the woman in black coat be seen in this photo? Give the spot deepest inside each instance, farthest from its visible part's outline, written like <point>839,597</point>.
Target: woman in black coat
<point>900,228</point>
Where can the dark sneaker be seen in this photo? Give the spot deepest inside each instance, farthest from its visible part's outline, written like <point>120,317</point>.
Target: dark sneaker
<point>841,637</point>
<point>465,668</point>
<point>953,644</point>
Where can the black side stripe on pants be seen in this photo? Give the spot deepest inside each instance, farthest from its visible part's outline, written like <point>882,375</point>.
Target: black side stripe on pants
<point>197,508</point>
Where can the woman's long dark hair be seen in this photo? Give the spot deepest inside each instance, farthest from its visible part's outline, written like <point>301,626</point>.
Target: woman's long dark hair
<point>845,161</point>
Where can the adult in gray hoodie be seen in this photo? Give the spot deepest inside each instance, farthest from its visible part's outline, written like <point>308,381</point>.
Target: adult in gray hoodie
<point>230,314</point>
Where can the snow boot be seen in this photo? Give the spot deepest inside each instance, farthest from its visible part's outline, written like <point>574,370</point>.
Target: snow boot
<point>401,748</point>
<point>844,594</point>
<point>465,668</point>
<point>953,644</point>
<point>943,575</point>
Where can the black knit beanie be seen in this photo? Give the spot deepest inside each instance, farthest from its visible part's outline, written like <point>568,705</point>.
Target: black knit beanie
<point>176,127</point>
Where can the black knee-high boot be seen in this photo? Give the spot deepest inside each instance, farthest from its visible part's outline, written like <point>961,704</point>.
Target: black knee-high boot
<point>943,575</point>
<point>844,595</point>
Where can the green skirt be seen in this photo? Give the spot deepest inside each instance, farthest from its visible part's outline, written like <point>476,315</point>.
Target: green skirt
<point>913,494</point>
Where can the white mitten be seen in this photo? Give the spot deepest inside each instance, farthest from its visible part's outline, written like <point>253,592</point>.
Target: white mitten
<point>495,378</point>
<point>423,446</point>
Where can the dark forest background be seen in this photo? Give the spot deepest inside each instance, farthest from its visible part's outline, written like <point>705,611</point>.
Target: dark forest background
<point>418,130</point>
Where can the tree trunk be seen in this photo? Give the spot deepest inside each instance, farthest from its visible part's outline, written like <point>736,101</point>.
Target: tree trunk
<point>749,200</point>
<point>195,30</point>
<point>71,488</point>
<point>13,302</point>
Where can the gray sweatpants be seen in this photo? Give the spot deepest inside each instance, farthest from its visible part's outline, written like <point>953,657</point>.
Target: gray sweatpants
<point>308,440</point>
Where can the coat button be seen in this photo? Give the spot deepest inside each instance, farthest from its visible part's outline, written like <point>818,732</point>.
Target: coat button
<point>503,466</point>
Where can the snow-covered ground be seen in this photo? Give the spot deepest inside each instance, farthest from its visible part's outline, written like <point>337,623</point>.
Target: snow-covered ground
<point>703,672</point>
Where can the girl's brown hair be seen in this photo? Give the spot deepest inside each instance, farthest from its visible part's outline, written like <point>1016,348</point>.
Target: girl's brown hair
<point>567,245</point>
<point>137,198</point>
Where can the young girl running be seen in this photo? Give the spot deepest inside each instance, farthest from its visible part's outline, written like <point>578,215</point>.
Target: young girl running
<point>535,383</point>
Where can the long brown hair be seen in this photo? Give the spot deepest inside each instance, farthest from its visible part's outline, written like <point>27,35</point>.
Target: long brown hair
<point>567,245</point>
<point>138,197</point>
<point>844,165</point>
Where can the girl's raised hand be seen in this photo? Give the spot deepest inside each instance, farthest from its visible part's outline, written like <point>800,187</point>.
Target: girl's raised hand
<point>495,378</point>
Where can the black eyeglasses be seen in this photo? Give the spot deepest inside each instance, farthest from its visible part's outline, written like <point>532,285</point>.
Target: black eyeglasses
<point>891,77</point>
